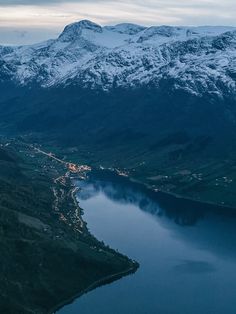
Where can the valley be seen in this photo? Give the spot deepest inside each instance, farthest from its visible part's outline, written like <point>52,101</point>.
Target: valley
<point>131,119</point>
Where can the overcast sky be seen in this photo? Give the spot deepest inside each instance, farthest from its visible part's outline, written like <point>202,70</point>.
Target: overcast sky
<point>26,21</point>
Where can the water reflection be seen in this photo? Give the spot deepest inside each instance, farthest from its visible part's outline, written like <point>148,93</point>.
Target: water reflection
<point>215,227</point>
<point>186,251</point>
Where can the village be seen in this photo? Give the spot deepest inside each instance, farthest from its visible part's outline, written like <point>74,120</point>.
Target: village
<point>71,167</point>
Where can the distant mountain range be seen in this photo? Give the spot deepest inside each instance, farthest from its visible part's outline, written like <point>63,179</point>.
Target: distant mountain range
<point>158,101</point>
<point>196,59</point>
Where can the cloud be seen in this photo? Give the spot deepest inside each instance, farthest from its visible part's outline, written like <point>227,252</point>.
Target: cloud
<point>55,14</point>
<point>42,2</point>
<point>27,2</point>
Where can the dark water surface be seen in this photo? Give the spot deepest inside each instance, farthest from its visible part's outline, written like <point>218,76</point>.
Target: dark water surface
<point>186,251</point>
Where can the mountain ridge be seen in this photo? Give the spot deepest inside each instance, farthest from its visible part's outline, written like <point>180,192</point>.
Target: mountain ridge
<point>197,59</point>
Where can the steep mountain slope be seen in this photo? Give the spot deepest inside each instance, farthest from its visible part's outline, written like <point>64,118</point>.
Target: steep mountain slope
<point>159,101</point>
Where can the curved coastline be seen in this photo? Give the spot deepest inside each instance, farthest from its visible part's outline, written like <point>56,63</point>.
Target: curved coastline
<point>181,197</point>
<point>98,283</point>
<point>113,277</point>
<point>160,192</point>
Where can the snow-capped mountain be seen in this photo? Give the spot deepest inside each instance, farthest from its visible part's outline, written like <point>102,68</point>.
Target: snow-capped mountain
<point>196,59</point>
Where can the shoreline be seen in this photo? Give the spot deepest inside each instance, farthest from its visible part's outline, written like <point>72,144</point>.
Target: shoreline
<point>179,196</point>
<point>166,193</point>
<point>113,277</point>
<point>184,198</point>
<point>98,283</point>
<point>67,182</point>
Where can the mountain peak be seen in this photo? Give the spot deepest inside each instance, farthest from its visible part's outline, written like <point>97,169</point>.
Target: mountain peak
<point>74,30</point>
<point>126,28</point>
<point>195,59</point>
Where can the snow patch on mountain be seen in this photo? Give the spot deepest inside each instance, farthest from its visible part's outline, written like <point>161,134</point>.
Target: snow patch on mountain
<point>196,59</point>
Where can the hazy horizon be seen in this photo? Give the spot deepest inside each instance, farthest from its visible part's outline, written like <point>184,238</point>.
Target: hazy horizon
<point>25,22</point>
